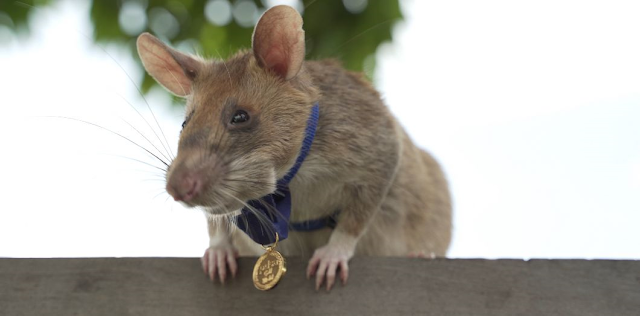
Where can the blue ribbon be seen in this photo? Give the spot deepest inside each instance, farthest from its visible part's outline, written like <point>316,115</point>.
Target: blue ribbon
<point>274,210</point>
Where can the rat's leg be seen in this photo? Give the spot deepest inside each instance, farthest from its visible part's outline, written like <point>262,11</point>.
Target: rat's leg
<point>363,203</point>
<point>327,259</point>
<point>221,251</point>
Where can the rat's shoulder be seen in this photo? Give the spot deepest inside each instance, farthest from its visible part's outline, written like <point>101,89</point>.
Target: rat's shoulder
<point>330,75</point>
<point>330,69</point>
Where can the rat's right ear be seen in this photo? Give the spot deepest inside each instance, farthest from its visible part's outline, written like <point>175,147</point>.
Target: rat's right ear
<point>171,68</point>
<point>278,41</point>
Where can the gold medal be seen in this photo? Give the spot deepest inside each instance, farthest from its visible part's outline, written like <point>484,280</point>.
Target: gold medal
<point>269,268</point>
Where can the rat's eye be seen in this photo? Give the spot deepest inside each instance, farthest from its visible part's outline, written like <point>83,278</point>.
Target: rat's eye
<point>240,117</point>
<point>183,124</point>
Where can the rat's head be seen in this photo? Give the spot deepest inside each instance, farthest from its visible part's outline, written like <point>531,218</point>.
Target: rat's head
<point>245,117</point>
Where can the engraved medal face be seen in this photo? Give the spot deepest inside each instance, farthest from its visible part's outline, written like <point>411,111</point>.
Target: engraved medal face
<point>268,270</point>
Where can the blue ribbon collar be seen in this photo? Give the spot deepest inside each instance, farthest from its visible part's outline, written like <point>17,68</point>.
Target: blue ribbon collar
<point>274,210</point>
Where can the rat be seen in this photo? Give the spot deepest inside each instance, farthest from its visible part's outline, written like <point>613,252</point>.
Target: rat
<point>244,128</point>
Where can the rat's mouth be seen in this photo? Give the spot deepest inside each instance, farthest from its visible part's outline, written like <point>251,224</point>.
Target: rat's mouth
<point>222,209</point>
<point>220,191</point>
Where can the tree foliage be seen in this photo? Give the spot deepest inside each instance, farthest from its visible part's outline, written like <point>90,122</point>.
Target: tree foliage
<point>15,14</point>
<point>349,30</point>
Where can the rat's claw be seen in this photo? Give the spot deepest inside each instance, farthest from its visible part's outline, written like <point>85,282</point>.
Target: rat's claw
<point>331,274</point>
<point>231,261</point>
<point>418,254</point>
<point>208,263</point>
<point>312,267</point>
<point>325,263</point>
<point>222,267</point>
<point>212,265</point>
<point>344,272</point>
<point>216,259</point>
<point>205,262</point>
<point>320,274</point>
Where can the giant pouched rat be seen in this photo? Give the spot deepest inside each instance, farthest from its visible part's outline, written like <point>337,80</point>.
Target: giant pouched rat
<point>246,118</point>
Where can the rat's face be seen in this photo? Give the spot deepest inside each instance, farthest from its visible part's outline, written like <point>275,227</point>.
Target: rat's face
<point>245,117</point>
<point>242,131</point>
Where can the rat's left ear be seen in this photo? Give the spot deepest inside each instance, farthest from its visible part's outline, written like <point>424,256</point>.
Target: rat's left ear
<point>278,41</point>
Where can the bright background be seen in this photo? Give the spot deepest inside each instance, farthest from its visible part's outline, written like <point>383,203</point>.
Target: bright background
<point>532,108</point>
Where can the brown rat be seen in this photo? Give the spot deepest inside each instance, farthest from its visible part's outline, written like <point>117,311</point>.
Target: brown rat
<point>245,123</point>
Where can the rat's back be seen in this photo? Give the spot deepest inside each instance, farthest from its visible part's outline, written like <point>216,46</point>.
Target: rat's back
<point>358,136</point>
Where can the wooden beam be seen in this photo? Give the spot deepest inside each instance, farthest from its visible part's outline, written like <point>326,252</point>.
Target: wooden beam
<point>377,286</point>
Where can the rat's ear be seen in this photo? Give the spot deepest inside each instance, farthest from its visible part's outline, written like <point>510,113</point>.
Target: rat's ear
<point>278,41</point>
<point>171,68</point>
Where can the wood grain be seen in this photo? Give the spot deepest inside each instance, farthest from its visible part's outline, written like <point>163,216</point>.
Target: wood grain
<point>377,286</point>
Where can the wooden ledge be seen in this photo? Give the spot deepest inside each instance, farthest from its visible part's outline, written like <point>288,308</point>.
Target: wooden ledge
<point>377,286</point>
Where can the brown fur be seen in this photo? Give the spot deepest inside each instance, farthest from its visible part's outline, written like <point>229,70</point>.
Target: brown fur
<point>363,163</point>
<point>391,193</point>
<point>393,197</point>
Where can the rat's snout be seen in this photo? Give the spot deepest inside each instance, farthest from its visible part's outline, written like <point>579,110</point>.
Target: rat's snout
<point>184,187</point>
<point>189,176</point>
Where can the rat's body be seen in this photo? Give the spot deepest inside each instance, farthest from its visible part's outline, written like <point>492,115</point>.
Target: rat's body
<point>359,143</point>
<point>246,120</point>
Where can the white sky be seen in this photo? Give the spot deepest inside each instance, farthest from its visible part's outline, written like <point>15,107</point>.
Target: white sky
<point>533,110</point>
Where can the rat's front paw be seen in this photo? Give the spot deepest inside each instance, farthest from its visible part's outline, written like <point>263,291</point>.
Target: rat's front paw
<point>326,261</point>
<point>216,259</point>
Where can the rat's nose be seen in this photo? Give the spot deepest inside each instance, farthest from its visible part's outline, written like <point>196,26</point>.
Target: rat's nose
<point>184,187</point>
<point>190,175</point>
